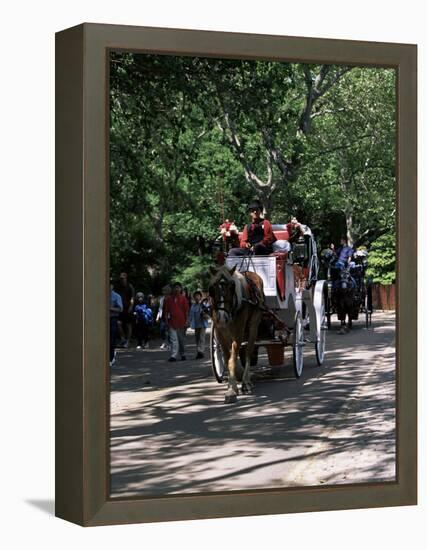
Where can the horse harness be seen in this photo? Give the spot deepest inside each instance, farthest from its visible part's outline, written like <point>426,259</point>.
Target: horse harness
<point>254,298</point>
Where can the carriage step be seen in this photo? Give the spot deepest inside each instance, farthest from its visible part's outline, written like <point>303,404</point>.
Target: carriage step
<point>265,343</point>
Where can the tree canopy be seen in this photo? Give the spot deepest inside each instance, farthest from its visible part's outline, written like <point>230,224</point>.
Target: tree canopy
<point>193,140</point>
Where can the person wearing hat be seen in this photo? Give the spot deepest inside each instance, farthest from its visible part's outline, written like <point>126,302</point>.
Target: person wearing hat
<point>258,236</point>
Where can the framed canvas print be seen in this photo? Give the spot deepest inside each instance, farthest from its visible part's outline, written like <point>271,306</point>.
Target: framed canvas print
<point>236,274</point>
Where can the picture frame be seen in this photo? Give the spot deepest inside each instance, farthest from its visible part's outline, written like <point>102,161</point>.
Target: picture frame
<point>82,214</point>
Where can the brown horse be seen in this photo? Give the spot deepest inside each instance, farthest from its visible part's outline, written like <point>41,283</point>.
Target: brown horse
<point>237,305</point>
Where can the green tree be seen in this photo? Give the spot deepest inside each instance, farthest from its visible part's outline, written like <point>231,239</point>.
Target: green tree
<point>382,260</point>
<point>192,140</point>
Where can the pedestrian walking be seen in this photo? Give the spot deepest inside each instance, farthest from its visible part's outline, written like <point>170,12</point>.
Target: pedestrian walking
<point>143,321</point>
<point>198,322</point>
<point>160,318</point>
<point>116,307</point>
<point>127,294</point>
<point>176,317</point>
<point>153,305</point>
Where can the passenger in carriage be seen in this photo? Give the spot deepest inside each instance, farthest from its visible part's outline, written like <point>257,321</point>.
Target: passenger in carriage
<point>258,236</point>
<point>294,229</point>
<point>344,254</point>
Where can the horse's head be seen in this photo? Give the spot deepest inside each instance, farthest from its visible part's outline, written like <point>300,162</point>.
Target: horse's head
<point>222,290</point>
<point>327,257</point>
<point>345,280</point>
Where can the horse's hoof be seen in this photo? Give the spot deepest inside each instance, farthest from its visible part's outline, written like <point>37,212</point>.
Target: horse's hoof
<point>247,389</point>
<point>230,398</point>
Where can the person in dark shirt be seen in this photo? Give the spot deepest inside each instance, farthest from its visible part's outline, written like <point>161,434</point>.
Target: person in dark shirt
<point>127,294</point>
<point>116,307</point>
<point>257,237</point>
<point>344,253</point>
<point>143,321</point>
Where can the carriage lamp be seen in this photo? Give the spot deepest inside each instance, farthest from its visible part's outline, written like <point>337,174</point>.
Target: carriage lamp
<point>300,251</point>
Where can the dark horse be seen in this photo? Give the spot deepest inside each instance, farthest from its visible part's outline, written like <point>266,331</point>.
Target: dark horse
<point>237,303</point>
<point>344,298</point>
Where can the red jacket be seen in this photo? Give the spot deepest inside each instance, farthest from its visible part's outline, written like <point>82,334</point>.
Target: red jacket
<point>268,239</point>
<point>176,311</point>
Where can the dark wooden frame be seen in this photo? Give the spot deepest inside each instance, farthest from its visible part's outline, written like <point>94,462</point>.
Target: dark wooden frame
<point>82,391</point>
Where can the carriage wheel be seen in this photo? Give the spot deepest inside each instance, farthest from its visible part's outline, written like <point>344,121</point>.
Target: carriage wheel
<point>320,345</point>
<point>217,357</point>
<point>329,308</point>
<point>298,345</point>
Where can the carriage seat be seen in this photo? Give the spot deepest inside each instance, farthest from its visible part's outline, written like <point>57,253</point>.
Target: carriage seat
<point>280,232</point>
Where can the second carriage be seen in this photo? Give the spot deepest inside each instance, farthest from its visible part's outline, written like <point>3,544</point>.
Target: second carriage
<point>296,303</point>
<point>349,289</point>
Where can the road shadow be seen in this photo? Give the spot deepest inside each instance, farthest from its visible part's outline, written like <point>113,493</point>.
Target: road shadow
<point>180,437</point>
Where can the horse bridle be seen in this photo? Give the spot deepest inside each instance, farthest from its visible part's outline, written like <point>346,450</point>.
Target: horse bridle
<point>345,277</point>
<point>221,283</point>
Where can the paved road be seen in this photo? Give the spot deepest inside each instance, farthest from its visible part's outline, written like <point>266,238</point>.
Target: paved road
<point>172,433</point>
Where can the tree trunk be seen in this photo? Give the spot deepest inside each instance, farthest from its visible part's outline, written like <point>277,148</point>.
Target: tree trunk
<point>349,222</point>
<point>267,203</point>
<point>200,245</point>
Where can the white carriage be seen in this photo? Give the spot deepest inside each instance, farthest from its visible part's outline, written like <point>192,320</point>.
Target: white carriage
<point>294,296</point>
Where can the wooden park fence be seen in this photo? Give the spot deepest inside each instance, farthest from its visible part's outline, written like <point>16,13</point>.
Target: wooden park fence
<point>384,296</point>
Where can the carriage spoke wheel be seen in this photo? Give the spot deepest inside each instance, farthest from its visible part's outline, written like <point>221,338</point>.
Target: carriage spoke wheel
<point>298,345</point>
<point>329,307</point>
<point>321,342</point>
<point>217,358</point>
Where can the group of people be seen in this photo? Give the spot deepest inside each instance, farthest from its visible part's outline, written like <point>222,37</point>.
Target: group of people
<point>177,314</point>
<point>132,314</point>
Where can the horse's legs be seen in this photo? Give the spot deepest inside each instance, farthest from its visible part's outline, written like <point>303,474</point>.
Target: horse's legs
<point>247,385</point>
<point>232,390</point>
<point>225,344</point>
<point>229,346</point>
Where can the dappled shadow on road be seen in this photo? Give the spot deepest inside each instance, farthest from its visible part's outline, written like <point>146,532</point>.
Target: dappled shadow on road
<point>178,436</point>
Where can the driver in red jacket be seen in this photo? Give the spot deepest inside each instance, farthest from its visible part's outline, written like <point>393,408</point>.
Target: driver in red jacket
<point>258,236</point>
